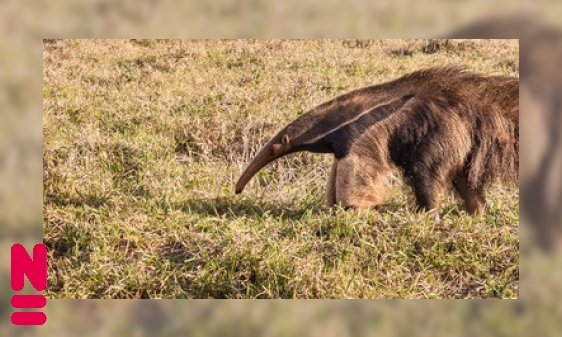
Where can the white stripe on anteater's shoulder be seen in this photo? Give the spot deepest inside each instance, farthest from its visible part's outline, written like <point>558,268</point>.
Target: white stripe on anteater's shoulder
<point>375,113</point>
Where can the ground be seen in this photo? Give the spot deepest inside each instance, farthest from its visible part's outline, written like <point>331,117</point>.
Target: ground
<point>145,139</point>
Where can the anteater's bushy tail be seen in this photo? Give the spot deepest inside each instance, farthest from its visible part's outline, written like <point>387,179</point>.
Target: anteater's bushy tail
<point>495,133</point>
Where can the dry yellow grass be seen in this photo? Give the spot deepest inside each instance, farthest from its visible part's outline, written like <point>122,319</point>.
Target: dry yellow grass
<point>144,139</point>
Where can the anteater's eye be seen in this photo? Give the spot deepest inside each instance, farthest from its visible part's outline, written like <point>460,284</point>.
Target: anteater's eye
<point>285,139</point>
<point>274,150</point>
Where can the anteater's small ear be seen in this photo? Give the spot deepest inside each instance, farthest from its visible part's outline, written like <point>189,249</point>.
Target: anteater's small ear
<point>285,139</point>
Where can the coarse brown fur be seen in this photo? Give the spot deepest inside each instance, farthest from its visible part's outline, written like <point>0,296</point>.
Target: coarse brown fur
<point>441,126</point>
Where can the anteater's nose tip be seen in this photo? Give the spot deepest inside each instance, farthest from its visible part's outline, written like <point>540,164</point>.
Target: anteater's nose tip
<point>238,190</point>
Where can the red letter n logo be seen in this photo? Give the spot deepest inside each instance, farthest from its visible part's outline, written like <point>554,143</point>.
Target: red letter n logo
<point>36,271</point>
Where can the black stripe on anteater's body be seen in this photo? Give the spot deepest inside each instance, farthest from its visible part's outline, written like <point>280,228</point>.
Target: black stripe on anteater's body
<point>441,126</point>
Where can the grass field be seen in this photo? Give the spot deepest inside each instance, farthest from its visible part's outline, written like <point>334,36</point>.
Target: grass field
<point>144,140</point>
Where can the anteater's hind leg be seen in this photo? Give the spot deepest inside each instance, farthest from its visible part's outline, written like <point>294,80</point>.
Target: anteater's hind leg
<point>428,187</point>
<point>358,183</point>
<point>428,194</point>
<point>474,199</point>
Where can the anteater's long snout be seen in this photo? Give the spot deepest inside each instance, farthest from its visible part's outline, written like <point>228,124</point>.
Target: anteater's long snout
<point>264,157</point>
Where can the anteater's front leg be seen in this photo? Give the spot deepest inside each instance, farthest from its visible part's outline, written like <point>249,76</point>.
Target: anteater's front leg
<point>331,188</point>
<point>356,183</point>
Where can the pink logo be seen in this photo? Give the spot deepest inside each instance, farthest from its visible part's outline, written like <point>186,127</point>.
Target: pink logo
<point>36,271</point>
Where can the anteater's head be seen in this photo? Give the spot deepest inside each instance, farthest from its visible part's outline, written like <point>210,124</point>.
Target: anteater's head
<point>303,134</point>
<point>317,130</point>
